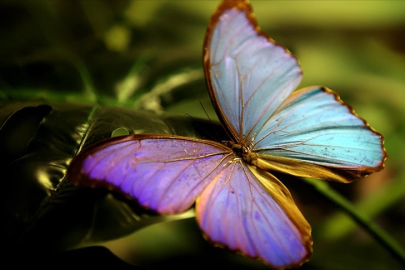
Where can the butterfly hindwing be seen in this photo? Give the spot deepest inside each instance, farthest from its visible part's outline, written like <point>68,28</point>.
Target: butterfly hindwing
<point>316,129</point>
<point>257,218</point>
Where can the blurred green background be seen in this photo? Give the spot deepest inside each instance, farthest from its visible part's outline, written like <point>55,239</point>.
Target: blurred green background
<point>148,55</point>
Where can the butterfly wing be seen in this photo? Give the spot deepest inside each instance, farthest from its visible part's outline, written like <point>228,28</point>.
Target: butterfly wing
<point>314,134</point>
<point>248,75</point>
<point>310,133</point>
<point>236,211</point>
<point>163,173</point>
<point>169,173</point>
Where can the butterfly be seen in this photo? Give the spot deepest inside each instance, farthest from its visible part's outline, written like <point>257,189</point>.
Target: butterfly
<point>239,203</point>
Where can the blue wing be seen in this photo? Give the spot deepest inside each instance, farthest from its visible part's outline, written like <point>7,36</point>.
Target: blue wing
<point>310,133</point>
<point>248,75</point>
<point>314,134</point>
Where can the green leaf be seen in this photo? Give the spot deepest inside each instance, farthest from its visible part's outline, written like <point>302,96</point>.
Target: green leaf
<point>41,205</point>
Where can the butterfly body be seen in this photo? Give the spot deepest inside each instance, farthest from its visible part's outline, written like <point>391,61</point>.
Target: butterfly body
<point>239,203</point>
<point>243,151</point>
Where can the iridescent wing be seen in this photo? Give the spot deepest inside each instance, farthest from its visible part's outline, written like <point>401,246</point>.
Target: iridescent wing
<point>314,134</point>
<point>248,75</point>
<point>310,133</point>
<point>236,211</point>
<point>168,174</point>
<point>163,173</point>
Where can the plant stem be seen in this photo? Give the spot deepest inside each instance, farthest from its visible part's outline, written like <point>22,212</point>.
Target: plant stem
<point>365,222</point>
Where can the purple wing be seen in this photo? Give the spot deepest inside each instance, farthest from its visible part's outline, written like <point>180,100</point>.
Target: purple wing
<point>163,173</point>
<point>250,211</point>
<point>238,206</point>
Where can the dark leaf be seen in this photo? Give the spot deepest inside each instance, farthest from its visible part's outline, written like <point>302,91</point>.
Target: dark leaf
<point>43,210</point>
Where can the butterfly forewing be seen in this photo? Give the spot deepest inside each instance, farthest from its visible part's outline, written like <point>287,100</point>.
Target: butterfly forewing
<point>248,75</point>
<point>236,211</point>
<point>163,173</point>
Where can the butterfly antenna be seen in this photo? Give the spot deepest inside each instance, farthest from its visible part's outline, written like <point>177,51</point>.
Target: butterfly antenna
<point>202,106</point>
<point>215,135</point>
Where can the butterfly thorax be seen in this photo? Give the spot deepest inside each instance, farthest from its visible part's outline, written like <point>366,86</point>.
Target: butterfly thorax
<point>243,151</point>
